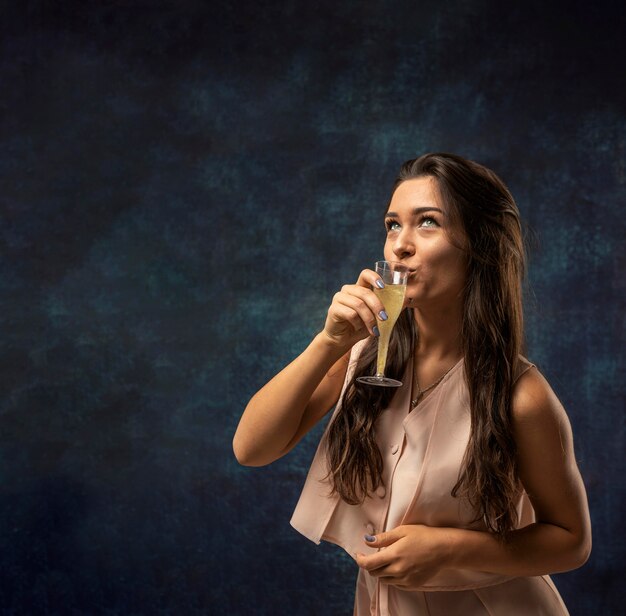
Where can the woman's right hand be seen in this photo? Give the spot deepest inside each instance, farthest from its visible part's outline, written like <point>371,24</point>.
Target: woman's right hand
<point>354,310</point>
<point>289,405</point>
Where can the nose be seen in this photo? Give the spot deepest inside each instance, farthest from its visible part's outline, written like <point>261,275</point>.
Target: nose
<point>404,246</point>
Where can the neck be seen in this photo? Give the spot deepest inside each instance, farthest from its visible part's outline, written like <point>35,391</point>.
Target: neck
<point>439,332</point>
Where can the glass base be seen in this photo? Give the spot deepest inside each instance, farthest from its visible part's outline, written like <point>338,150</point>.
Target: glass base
<point>381,381</point>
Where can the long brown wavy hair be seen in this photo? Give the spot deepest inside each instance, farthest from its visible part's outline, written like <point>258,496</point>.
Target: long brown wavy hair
<point>492,339</point>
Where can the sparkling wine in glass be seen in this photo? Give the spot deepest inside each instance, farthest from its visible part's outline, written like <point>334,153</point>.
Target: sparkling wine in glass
<point>395,276</point>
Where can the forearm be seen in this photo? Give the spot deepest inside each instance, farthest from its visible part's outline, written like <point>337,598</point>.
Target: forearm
<point>274,414</point>
<point>537,549</point>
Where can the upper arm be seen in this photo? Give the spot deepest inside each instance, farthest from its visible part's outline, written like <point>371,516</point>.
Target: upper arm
<point>324,398</point>
<point>545,455</point>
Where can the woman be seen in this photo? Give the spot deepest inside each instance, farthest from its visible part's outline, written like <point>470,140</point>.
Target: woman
<point>457,493</point>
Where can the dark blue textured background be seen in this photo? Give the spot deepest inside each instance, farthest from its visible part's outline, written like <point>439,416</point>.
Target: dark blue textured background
<point>184,185</point>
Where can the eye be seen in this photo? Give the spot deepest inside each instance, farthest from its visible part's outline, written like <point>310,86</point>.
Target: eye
<point>392,225</point>
<point>428,221</point>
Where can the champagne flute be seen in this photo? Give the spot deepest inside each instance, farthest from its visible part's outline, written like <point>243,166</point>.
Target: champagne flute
<point>395,276</point>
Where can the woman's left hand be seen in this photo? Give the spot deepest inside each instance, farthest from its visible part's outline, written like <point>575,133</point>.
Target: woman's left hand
<point>412,555</point>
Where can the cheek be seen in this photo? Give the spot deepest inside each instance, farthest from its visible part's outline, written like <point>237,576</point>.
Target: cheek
<point>457,264</point>
<point>450,263</point>
<point>388,252</point>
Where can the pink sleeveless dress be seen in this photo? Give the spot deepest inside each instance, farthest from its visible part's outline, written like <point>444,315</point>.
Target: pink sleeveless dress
<point>422,453</point>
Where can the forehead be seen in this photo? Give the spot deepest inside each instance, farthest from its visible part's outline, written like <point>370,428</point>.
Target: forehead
<point>418,192</point>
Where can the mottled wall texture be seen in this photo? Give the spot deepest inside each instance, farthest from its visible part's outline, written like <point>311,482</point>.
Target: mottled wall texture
<point>183,187</point>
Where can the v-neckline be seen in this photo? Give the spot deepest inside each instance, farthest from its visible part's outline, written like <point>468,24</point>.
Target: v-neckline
<point>445,377</point>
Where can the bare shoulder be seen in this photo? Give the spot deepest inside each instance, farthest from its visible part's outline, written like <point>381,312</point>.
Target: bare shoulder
<point>540,422</point>
<point>533,400</point>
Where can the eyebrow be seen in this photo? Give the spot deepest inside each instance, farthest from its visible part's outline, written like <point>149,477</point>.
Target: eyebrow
<point>416,211</point>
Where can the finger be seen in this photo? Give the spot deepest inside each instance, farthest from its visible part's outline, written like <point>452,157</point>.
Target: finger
<point>342,313</point>
<point>373,562</point>
<point>369,279</point>
<point>360,308</point>
<point>346,321</point>
<point>368,297</point>
<point>382,540</point>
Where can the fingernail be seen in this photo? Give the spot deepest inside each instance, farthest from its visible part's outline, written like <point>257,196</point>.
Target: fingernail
<point>369,538</point>
<point>380,284</point>
<point>383,315</point>
<point>375,330</point>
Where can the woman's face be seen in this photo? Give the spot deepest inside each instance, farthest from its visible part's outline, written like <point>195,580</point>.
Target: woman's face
<point>421,235</point>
